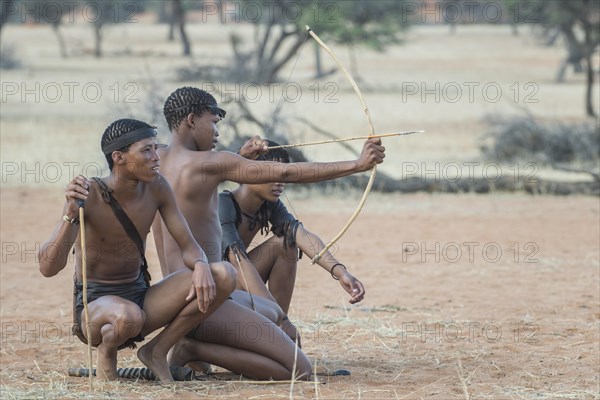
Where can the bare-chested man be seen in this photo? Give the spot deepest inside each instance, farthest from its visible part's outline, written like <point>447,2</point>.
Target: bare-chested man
<point>123,308</point>
<point>195,172</point>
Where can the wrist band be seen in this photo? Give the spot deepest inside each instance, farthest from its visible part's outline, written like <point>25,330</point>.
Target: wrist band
<point>72,221</point>
<point>332,268</point>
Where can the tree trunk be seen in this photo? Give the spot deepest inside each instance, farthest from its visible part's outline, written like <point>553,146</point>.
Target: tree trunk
<point>318,65</point>
<point>515,29</point>
<point>171,34</point>
<point>98,38</point>
<point>61,39</point>
<point>589,101</point>
<point>179,16</point>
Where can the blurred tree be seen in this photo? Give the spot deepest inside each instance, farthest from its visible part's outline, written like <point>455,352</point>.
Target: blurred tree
<point>374,24</point>
<point>99,13</point>
<point>178,18</point>
<point>279,30</point>
<point>173,13</point>
<point>578,23</point>
<point>96,12</point>
<point>104,12</point>
<point>38,12</point>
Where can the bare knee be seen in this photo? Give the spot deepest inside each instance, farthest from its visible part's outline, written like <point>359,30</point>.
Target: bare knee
<point>271,310</point>
<point>278,312</point>
<point>127,321</point>
<point>225,276</point>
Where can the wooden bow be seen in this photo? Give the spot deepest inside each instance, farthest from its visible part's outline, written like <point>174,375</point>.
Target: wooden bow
<point>371,134</point>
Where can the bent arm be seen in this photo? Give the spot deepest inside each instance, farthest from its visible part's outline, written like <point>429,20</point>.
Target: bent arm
<point>311,245</point>
<point>54,253</point>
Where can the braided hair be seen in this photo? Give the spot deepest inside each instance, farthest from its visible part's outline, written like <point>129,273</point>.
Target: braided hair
<point>118,129</point>
<point>185,101</point>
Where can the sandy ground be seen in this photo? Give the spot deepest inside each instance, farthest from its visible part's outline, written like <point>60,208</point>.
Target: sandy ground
<point>468,296</point>
<point>494,296</point>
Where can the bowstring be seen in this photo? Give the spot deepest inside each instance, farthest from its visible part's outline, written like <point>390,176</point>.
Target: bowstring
<point>276,112</point>
<point>279,105</point>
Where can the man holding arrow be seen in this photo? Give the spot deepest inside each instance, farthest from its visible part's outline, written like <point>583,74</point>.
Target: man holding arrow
<point>195,171</point>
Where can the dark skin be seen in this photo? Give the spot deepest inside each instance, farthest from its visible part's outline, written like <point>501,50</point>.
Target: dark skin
<point>274,262</point>
<point>179,302</point>
<point>195,171</point>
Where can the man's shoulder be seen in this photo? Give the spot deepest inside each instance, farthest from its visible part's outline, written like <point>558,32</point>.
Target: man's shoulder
<point>190,158</point>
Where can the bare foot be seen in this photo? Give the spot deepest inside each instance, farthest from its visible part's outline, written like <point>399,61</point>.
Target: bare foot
<point>107,363</point>
<point>157,364</point>
<point>181,355</point>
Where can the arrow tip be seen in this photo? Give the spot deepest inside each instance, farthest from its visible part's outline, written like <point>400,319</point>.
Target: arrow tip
<point>308,28</point>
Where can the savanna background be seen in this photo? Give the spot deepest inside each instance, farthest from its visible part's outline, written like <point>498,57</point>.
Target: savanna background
<point>478,246</point>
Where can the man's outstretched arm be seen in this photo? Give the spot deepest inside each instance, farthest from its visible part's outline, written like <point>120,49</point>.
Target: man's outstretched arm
<point>233,167</point>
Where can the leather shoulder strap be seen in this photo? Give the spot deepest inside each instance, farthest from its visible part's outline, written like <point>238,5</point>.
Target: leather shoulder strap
<point>127,225</point>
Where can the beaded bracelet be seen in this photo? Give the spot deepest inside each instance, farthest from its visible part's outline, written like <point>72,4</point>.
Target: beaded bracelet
<point>72,221</point>
<point>332,268</point>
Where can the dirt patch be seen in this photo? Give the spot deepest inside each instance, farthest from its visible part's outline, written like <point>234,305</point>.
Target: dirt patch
<point>494,295</point>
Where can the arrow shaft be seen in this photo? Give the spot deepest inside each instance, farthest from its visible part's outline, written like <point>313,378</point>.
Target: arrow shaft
<point>287,146</point>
